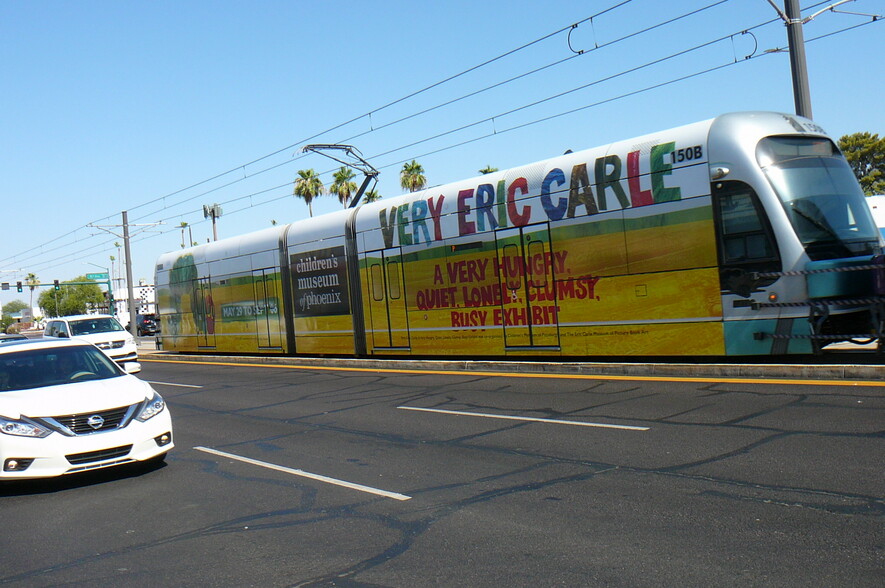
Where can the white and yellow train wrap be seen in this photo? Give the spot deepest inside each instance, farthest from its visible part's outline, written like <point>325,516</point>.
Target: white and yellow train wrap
<point>746,234</point>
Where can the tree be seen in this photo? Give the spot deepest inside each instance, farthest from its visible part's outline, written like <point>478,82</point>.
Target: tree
<point>73,299</point>
<point>189,242</point>
<point>411,177</point>
<point>343,185</point>
<point>488,170</point>
<point>14,307</point>
<point>9,309</point>
<point>307,187</point>
<point>865,153</point>
<point>371,196</point>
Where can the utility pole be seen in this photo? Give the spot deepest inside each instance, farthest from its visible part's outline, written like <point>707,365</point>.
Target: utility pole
<point>130,290</point>
<point>133,309</point>
<point>213,211</point>
<point>798,66</point>
<point>792,17</point>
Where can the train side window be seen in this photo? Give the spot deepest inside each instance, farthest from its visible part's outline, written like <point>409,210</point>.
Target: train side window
<point>746,240</point>
<point>744,232</point>
<point>377,281</point>
<point>393,280</point>
<point>538,275</point>
<point>513,262</point>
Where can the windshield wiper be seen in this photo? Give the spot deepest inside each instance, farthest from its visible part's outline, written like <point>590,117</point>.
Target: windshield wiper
<point>824,228</point>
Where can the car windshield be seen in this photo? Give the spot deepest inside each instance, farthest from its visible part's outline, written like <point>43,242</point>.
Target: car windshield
<point>36,368</point>
<point>821,196</point>
<point>96,325</point>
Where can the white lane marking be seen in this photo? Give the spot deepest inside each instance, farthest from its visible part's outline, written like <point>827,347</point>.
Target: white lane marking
<point>171,384</point>
<point>304,474</point>
<point>532,419</point>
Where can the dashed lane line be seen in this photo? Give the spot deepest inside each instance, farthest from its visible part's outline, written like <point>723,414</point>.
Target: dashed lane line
<point>303,474</point>
<point>172,384</point>
<point>530,419</point>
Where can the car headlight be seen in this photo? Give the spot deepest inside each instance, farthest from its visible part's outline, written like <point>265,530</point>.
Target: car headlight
<point>22,428</point>
<point>151,408</point>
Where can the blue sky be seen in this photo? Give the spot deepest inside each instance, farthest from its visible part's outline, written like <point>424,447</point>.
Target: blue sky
<point>137,106</point>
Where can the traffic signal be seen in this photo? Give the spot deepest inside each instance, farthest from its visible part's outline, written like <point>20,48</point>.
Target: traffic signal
<point>55,285</point>
<point>18,286</point>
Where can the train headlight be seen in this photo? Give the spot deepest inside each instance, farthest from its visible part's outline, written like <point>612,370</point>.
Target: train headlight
<point>772,296</point>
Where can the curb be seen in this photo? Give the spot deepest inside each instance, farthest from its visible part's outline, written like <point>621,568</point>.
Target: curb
<point>846,372</point>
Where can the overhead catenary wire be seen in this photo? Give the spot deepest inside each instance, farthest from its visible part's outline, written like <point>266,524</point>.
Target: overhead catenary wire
<point>343,124</point>
<point>578,109</point>
<point>572,111</point>
<point>46,248</point>
<point>387,105</point>
<point>471,94</point>
<point>502,130</point>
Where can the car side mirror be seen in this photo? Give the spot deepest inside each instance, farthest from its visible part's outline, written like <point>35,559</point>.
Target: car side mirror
<point>62,335</point>
<point>131,367</point>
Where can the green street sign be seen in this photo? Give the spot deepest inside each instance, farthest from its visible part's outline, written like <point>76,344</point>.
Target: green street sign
<point>96,276</point>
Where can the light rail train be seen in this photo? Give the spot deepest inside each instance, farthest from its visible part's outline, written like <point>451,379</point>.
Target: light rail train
<point>746,234</point>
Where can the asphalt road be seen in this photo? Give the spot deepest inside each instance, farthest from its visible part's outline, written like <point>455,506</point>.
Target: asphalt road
<point>284,476</point>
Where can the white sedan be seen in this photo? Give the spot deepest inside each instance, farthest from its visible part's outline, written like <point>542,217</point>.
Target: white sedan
<point>65,407</point>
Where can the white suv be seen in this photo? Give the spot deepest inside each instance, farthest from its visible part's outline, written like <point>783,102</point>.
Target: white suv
<point>102,330</point>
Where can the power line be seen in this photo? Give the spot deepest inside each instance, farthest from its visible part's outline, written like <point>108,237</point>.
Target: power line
<point>375,111</point>
<point>571,111</point>
<point>447,103</point>
<point>44,249</point>
<point>389,104</point>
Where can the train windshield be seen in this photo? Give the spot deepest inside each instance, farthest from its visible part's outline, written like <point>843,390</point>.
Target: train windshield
<point>821,196</point>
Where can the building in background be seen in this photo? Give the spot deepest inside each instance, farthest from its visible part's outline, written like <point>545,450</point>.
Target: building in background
<point>145,302</point>
<point>877,206</point>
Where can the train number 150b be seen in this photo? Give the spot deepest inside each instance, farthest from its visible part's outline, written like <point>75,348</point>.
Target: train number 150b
<point>687,154</point>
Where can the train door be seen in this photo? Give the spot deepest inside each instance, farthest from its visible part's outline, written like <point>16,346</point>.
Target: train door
<point>204,312</point>
<point>528,295</point>
<point>268,320</point>
<point>387,301</point>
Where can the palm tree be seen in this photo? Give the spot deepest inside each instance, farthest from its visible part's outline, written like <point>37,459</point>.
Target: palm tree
<point>371,196</point>
<point>411,177</point>
<point>32,282</point>
<point>488,170</point>
<point>343,185</point>
<point>307,187</point>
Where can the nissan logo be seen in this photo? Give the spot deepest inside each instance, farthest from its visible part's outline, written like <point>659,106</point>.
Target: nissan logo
<point>95,421</point>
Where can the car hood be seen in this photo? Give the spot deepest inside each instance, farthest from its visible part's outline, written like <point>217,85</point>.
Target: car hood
<point>75,398</point>
<point>100,337</point>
